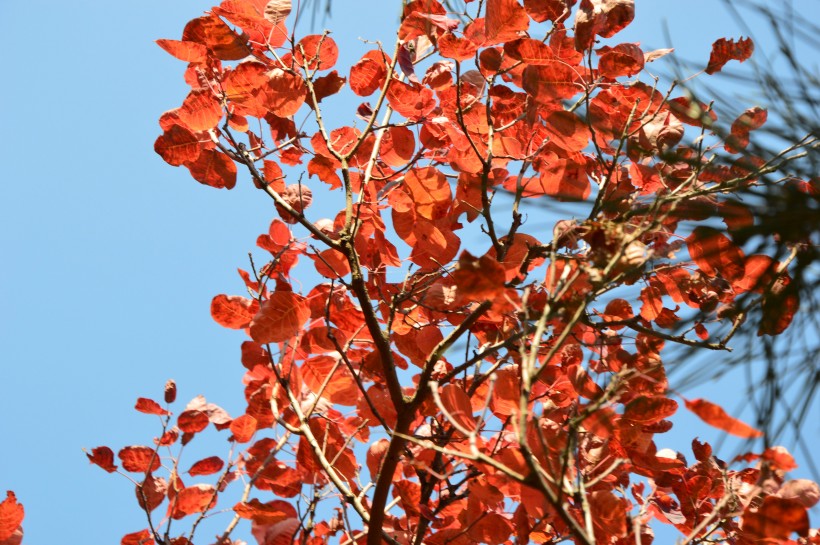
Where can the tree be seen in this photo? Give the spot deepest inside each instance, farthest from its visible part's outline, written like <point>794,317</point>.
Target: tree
<point>457,373</point>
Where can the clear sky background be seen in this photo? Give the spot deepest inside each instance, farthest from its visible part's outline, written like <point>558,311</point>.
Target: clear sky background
<point>109,257</point>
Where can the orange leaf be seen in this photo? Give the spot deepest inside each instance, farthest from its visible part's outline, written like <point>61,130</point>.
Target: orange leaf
<point>479,278</point>
<point>138,459</point>
<point>185,51</point>
<point>285,93</point>
<point>714,415</point>
<point>11,516</point>
<point>149,406</point>
<point>457,404</point>
<point>200,111</point>
<point>369,73</point>
<point>103,457</point>
<point>316,52</point>
<point>397,146</point>
<point>243,427</point>
<point>233,311</point>
<point>340,389</point>
<point>214,33</point>
<point>724,50</point>
<point>279,318</point>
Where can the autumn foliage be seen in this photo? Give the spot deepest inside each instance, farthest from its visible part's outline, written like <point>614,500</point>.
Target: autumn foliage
<point>450,369</point>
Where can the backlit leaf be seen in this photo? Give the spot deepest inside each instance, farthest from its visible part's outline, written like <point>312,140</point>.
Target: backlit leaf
<point>103,457</point>
<point>194,499</point>
<point>192,421</point>
<point>715,253</point>
<point>724,50</point>
<point>177,146</point>
<point>139,459</point>
<point>143,537</point>
<point>279,318</point>
<point>149,406</point>
<point>714,415</point>
<point>11,516</point>
<point>233,311</point>
<point>505,19</point>
<point>316,52</point>
<point>151,492</point>
<point>265,513</point>
<point>243,427</point>
<point>185,51</point>
<point>214,168</point>
<point>775,519</point>
<point>207,466</point>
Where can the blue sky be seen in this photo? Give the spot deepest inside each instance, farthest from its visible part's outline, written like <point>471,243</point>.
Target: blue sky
<point>112,257</point>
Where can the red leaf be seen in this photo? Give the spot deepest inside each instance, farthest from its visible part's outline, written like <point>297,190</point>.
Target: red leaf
<point>751,119</point>
<point>170,391</point>
<point>602,18</point>
<point>103,457</point>
<point>192,421</point>
<point>458,406</point>
<point>652,303</point>
<point>285,93</point>
<point>233,311</point>
<point>139,459</point>
<point>316,52</point>
<point>369,73</point>
<point>200,111</point>
<point>11,516</point>
<point>213,168</point>
<point>177,146</point>
<point>149,406</point>
<point>194,499</point>
<point>214,33</point>
<point>716,254</point>
<point>243,427</point>
<point>151,492</point>
<point>714,415</point>
<point>207,466</point>
<point>649,410</point>
<point>505,19</point>
<point>265,513</point>
<point>550,82</point>
<point>452,47</point>
<point>340,389</point>
<point>548,10</point>
<point>775,520</point>
<point>724,50</point>
<point>479,278</point>
<point>279,318</point>
<point>185,51</point>
<point>397,146</point>
<point>143,537</point>
<point>621,60</point>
